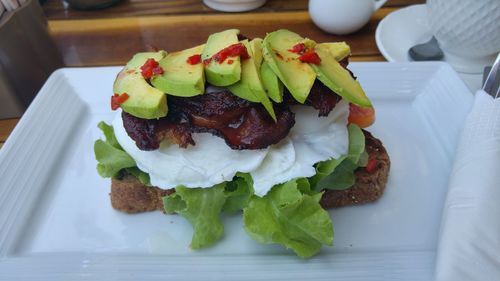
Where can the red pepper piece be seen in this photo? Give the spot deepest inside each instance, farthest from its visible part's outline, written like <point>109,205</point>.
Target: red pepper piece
<point>235,50</point>
<point>151,68</point>
<point>299,48</point>
<point>117,100</point>
<point>230,61</point>
<point>310,56</point>
<point>194,59</point>
<point>371,166</point>
<point>207,61</point>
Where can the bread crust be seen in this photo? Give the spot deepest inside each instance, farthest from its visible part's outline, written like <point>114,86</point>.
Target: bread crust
<point>131,196</point>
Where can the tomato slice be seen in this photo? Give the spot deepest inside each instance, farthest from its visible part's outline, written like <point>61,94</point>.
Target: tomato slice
<point>361,116</point>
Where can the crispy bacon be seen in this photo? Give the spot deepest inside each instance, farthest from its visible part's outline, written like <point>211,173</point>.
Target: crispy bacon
<point>321,98</point>
<point>243,124</point>
<point>148,133</point>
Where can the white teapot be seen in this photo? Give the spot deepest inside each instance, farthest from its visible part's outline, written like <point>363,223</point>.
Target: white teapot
<point>342,16</point>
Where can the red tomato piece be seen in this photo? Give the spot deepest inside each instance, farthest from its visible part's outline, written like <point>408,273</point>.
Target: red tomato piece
<point>299,48</point>
<point>361,116</point>
<point>194,59</point>
<point>371,166</point>
<point>235,50</point>
<point>151,68</point>
<point>310,56</point>
<point>117,100</point>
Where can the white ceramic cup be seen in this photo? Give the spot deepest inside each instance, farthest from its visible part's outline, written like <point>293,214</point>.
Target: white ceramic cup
<point>342,16</point>
<point>468,31</point>
<point>234,5</point>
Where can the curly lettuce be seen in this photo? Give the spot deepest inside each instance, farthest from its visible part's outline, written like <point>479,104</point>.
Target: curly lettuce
<point>338,174</point>
<point>289,215</point>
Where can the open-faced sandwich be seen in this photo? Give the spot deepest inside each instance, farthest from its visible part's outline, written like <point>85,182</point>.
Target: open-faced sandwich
<point>269,127</point>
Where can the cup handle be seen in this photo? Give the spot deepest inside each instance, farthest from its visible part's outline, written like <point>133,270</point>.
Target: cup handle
<point>379,3</point>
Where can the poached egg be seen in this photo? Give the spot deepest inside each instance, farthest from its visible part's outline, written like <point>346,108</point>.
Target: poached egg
<point>211,161</point>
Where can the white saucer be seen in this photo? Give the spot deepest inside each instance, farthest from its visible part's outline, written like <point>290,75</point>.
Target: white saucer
<point>403,29</point>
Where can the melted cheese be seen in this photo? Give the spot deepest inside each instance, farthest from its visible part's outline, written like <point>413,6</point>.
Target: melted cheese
<point>211,161</point>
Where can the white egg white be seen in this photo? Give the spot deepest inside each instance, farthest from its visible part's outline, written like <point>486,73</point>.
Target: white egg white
<point>211,161</point>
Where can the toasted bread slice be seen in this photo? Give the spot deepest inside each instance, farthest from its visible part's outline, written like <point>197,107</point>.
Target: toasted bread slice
<point>131,196</point>
<point>369,186</point>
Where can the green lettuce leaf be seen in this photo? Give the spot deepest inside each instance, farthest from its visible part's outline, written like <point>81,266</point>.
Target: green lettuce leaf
<point>238,193</point>
<point>140,175</point>
<point>109,134</point>
<point>338,174</point>
<point>356,143</point>
<point>111,159</point>
<point>288,217</point>
<point>202,208</point>
<point>341,178</point>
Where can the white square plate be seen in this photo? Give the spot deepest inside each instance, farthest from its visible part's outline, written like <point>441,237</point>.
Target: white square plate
<point>56,221</point>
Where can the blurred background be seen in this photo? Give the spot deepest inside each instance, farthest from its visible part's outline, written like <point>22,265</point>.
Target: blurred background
<point>37,37</point>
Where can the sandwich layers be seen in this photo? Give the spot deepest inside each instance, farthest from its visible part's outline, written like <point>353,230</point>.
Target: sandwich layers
<point>211,161</point>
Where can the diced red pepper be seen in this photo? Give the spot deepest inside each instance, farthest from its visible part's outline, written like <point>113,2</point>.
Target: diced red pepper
<point>310,56</point>
<point>371,166</point>
<point>151,68</point>
<point>194,59</point>
<point>299,48</point>
<point>117,100</point>
<point>230,61</point>
<point>235,50</point>
<point>207,61</point>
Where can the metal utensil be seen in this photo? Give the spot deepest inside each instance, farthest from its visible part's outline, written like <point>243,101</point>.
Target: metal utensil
<point>491,85</point>
<point>426,51</point>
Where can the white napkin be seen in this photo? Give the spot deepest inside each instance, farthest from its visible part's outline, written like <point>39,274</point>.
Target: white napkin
<point>469,244</point>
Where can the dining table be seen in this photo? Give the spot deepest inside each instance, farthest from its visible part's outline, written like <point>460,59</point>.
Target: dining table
<point>109,37</point>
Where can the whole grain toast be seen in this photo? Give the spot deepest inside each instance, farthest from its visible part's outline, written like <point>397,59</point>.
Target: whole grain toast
<point>131,196</point>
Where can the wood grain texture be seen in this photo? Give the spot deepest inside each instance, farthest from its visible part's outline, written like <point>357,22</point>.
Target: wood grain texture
<point>6,127</point>
<point>111,36</point>
<point>54,9</point>
<point>87,42</point>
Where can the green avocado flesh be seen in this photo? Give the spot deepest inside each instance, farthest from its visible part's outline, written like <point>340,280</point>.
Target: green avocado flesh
<point>339,50</point>
<point>297,76</point>
<point>338,79</point>
<point>250,86</point>
<point>273,85</point>
<point>144,100</point>
<point>262,78</point>
<point>256,50</point>
<point>225,73</point>
<point>180,78</point>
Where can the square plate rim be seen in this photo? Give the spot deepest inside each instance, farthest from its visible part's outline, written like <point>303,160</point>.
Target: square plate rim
<point>11,260</point>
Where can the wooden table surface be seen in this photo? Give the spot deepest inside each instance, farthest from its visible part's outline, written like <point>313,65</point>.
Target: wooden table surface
<point>113,35</point>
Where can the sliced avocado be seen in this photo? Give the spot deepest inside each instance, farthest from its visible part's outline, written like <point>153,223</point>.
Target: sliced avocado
<point>144,100</point>
<point>272,84</point>
<point>297,76</point>
<point>180,78</point>
<point>250,86</point>
<point>139,59</point>
<point>339,50</point>
<point>338,79</point>
<point>227,72</point>
<point>256,49</point>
